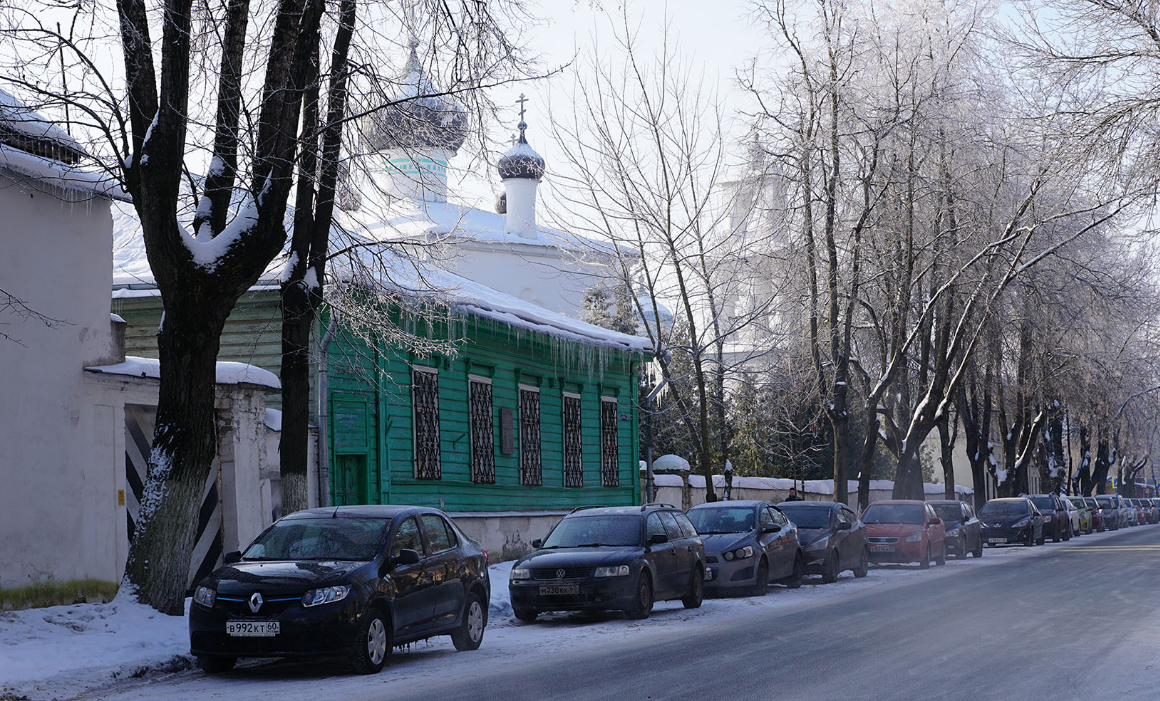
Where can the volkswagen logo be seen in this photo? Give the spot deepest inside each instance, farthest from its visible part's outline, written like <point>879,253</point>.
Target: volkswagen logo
<point>255,601</point>
<point>559,574</point>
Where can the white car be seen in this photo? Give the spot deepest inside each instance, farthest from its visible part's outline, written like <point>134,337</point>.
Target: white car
<point>1073,514</point>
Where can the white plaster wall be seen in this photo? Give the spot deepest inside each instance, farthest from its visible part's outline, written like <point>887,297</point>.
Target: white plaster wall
<point>58,431</point>
<point>506,535</point>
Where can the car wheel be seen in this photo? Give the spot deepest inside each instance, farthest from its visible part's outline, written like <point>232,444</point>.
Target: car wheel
<point>1058,535</point>
<point>469,634</point>
<point>372,644</point>
<point>961,549</point>
<point>925,564</point>
<point>216,665</point>
<point>1030,540</point>
<point>942,557</point>
<point>794,581</point>
<point>979,548</point>
<point>1067,534</point>
<point>761,581</point>
<point>525,615</point>
<point>863,567</point>
<point>1042,538</point>
<point>696,593</point>
<point>830,574</point>
<point>643,601</point>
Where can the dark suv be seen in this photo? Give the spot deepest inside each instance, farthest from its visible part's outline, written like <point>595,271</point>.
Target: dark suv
<point>1058,522</point>
<point>620,558</point>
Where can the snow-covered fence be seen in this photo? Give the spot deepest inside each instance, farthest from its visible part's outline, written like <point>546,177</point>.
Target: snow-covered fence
<point>670,489</point>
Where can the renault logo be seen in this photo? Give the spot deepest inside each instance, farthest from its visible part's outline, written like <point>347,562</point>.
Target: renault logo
<point>559,574</point>
<point>255,601</point>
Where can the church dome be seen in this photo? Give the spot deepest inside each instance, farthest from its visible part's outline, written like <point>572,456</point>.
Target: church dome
<point>418,119</point>
<point>521,160</point>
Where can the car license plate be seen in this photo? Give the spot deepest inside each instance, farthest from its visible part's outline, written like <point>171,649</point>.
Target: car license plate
<point>996,540</point>
<point>710,574</point>
<point>881,548</point>
<point>560,590</point>
<point>252,629</point>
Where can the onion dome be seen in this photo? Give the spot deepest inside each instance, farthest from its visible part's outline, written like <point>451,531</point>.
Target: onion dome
<point>521,161</point>
<point>416,117</point>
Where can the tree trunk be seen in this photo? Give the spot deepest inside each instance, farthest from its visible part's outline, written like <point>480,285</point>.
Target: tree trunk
<point>1083,474</point>
<point>947,446</point>
<point>184,447</point>
<point>297,322</point>
<point>908,479</point>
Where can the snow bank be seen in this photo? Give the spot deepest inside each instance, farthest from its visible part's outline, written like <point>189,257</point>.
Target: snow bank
<point>825,487</point>
<point>87,644</point>
<point>228,373</point>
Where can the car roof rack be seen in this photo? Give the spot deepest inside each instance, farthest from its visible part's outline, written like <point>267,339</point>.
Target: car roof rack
<point>580,508</point>
<point>644,507</point>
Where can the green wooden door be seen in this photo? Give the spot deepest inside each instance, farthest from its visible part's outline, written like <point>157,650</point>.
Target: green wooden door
<point>351,480</point>
<point>351,424</point>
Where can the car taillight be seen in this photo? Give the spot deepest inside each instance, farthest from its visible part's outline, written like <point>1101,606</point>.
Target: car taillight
<point>485,562</point>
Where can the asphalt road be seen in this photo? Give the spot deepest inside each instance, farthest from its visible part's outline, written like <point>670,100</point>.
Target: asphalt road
<point>1079,621</point>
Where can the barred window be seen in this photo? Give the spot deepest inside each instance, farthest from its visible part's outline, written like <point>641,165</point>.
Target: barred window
<point>482,431</point>
<point>573,460</point>
<point>531,467</point>
<point>609,444</point>
<point>425,408</point>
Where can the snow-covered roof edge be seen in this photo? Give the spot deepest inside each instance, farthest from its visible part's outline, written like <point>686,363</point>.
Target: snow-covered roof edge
<point>57,174</point>
<point>228,373</point>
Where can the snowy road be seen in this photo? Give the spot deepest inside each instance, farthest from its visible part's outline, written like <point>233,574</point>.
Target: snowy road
<point>1064,621</point>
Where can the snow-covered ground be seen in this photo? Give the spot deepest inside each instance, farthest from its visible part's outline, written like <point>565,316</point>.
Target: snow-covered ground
<point>65,651</point>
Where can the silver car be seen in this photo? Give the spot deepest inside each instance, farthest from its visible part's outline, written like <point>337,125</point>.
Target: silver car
<point>748,544</point>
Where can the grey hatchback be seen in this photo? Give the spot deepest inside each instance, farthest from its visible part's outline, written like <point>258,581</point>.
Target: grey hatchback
<point>747,544</point>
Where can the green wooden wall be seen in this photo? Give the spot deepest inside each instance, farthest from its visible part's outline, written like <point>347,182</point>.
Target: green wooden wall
<point>370,395</point>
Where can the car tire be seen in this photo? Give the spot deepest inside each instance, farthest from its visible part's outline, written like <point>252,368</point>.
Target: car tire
<point>942,558</point>
<point>863,567</point>
<point>1030,540</point>
<point>830,573</point>
<point>794,581</point>
<point>696,593</point>
<point>216,665</point>
<point>469,634</point>
<point>1067,533</point>
<point>1058,534</point>
<point>1042,538</point>
<point>643,601</point>
<point>525,615</point>
<point>373,644</point>
<point>925,564</point>
<point>978,548</point>
<point>961,549</point>
<point>761,579</point>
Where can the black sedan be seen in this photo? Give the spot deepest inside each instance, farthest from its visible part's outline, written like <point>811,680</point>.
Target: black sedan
<point>833,539</point>
<point>1011,520</point>
<point>964,531</point>
<point>1056,519</point>
<point>352,580</point>
<point>613,558</point>
<point>747,543</point>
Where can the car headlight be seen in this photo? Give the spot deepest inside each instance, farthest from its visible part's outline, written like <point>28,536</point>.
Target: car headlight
<point>205,596</point>
<point>1021,523</point>
<point>314,597</point>
<point>519,573</point>
<point>819,544</point>
<point>614,571</point>
<point>914,537</point>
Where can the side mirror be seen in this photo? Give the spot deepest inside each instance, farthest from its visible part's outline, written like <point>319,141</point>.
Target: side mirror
<point>935,521</point>
<point>844,525</point>
<point>231,557</point>
<point>537,543</point>
<point>658,539</point>
<point>406,557</point>
<point>771,528</point>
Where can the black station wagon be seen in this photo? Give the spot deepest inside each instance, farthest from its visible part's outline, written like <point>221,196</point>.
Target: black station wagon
<point>613,558</point>
<point>349,580</point>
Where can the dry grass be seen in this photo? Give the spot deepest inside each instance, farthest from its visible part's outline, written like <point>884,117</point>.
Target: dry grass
<point>53,593</point>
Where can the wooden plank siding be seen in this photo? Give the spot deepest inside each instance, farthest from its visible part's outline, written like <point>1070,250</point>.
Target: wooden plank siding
<point>381,378</point>
<point>252,334</point>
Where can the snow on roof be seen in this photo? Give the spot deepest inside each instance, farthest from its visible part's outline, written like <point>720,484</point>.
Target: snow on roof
<point>57,174</point>
<point>273,419</point>
<point>228,373</point>
<point>408,218</point>
<point>17,116</point>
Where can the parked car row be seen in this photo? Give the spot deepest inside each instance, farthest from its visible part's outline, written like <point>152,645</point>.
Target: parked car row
<point>359,581</point>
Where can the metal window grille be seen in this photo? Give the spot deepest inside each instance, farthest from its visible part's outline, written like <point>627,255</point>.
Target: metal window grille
<point>609,446</point>
<point>482,433</point>
<point>531,467</point>
<point>573,461</point>
<point>425,404</point>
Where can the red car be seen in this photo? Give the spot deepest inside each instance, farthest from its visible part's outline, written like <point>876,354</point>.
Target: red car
<point>905,531</point>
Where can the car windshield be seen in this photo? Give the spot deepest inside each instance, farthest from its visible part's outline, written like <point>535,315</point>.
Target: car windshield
<point>893,513</point>
<point>1044,503</point>
<point>320,539</point>
<point>1078,502</point>
<point>1105,502</point>
<point>949,512</point>
<point>729,519</point>
<point>807,516</point>
<point>1004,508</point>
<point>581,531</point>
<point>1092,504</point>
